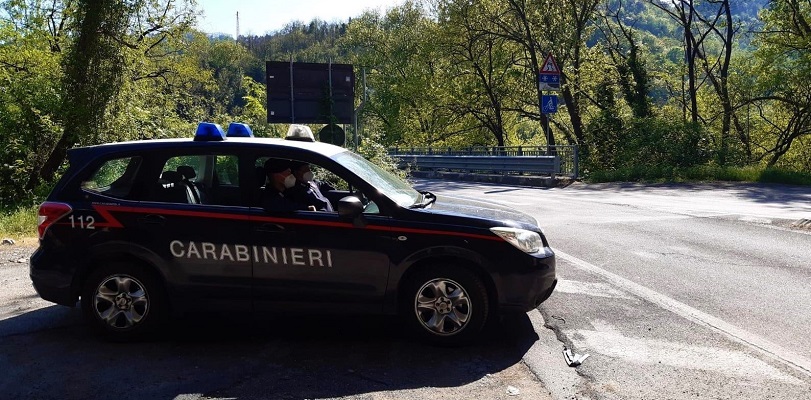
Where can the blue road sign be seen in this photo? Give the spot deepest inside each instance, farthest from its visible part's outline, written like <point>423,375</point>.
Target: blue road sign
<point>549,104</point>
<point>549,82</point>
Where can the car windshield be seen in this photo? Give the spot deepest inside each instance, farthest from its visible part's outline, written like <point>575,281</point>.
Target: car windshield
<point>387,183</point>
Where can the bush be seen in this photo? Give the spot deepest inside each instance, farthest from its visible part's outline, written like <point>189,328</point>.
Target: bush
<point>700,173</point>
<point>19,223</point>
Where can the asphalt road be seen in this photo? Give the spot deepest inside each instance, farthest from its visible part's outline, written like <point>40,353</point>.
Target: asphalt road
<point>674,291</point>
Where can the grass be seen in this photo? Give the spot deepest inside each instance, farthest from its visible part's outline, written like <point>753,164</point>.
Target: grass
<point>701,174</point>
<point>19,224</point>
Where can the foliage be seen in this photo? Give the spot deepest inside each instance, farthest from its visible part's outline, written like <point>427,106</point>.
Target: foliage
<point>702,173</point>
<point>19,223</point>
<point>448,73</point>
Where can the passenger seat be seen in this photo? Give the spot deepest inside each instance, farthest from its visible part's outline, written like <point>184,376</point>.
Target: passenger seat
<point>174,190</point>
<point>187,172</point>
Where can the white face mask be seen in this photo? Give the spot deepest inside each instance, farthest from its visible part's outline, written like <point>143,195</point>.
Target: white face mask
<point>289,181</point>
<point>308,176</point>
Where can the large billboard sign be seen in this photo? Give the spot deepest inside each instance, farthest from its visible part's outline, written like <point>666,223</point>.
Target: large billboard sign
<point>310,93</point>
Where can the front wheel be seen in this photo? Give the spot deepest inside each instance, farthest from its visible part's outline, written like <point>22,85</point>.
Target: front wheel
<point>123,301</point>
<point>446,305</point>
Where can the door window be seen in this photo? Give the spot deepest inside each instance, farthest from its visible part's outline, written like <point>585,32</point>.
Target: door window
<point>114,178</point>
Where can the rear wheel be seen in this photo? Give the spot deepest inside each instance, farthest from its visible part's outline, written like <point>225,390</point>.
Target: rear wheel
<point>123,301</point>
<point>446,305</point>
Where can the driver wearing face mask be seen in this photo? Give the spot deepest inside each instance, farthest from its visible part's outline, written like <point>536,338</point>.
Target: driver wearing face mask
<point>279,180</point>
<point>306,190</point>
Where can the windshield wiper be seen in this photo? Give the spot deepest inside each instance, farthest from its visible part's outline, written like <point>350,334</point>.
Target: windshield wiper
<point>428,198</point>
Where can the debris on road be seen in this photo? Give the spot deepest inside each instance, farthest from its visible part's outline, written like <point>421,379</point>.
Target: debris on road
<point>513,391</point>
<point>8,241</point>
<point>573,359</point>
<point>802,224</point>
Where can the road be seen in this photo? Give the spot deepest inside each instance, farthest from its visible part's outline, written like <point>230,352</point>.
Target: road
<point>674,291</point>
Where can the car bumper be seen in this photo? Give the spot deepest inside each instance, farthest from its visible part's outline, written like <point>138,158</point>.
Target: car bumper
<point>52,285</point>
<point>526,290</point>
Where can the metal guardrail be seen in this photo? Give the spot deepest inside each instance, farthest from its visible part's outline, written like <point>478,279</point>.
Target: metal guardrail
<point>545,165</point>
<point>558,160</point>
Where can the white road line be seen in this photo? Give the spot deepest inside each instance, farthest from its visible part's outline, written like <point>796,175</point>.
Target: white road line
<point>635,219</point>
<point>502,202</point>
<point>749,339</point>
<point>679,355</point>
<point>590,288</point>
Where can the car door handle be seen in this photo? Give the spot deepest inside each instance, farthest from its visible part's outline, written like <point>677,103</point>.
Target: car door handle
<point>270,228</point>
<point>156,220</point>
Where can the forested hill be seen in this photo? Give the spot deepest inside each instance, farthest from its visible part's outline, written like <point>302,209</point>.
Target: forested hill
<point>649,86</point>
<point>315,40</point>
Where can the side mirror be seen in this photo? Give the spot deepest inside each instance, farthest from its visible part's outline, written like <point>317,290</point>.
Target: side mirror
<point>350,207</point>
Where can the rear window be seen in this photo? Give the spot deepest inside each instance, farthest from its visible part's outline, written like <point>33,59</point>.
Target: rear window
<point>114,178</point>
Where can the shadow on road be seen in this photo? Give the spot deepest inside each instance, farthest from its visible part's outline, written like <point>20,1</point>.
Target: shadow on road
<point>50,353</point>
<point>758,192</point>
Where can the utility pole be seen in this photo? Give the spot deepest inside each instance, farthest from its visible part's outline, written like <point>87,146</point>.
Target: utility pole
<point>236,39</point>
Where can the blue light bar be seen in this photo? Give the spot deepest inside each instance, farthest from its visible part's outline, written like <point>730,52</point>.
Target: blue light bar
<point>237,129</point>
<point>209,132</point>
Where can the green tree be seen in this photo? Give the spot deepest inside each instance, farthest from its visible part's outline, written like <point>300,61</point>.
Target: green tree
<point>784,62</point>
<point>92,77</point>
<point>31,38</point>
<point>482,66</point>
<point>405,67</point>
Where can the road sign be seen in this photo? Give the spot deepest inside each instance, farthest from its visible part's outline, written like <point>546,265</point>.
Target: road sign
<point>549,82</point>
<point>549,75</point>
<point>310,93</point>
<point>549,104</point>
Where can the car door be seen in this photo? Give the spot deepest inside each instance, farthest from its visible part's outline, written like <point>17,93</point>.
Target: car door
<point>317,260</point>
<point>204,242</point>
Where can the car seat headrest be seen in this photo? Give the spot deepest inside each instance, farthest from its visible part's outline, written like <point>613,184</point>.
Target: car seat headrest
<point>172,176</point>
<point>187,171</point>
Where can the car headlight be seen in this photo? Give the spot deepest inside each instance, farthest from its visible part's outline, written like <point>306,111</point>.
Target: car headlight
<point>522,239</point>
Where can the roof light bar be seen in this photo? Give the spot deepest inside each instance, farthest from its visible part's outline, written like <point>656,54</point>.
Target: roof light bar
<point>238,129</point>
<point>209,132</point>
<point>301,133</point>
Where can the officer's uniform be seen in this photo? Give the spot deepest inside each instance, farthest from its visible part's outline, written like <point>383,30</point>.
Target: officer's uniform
<point>309,194</point>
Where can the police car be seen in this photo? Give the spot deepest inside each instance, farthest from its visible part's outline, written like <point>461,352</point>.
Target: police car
<point>142,231</point>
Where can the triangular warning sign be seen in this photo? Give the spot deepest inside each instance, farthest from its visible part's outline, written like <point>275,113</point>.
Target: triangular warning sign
<point>550,66</point>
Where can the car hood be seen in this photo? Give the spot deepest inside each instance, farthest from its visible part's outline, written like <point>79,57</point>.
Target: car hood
<point>463,207</point>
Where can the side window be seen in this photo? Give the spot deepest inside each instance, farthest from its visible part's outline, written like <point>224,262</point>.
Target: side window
<point>322,192</point>
<point>226,169</point>
<point>199,179</point>
<point>114,178</point>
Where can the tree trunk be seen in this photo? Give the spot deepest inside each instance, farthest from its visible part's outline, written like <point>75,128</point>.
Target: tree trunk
<point>92,77</point>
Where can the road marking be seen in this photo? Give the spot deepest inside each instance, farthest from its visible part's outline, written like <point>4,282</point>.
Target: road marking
<point>756,220</point>
<point>679,355</point>
<point>590,288</point>
<point>479,199</point>
<point>749,339</point>
<point>635,219</point>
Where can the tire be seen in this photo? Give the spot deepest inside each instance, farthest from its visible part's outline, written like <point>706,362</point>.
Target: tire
<point>123,301</point>
<point>445,305</point>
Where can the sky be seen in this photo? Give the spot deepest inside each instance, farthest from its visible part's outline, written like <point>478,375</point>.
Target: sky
<point>261,16</point>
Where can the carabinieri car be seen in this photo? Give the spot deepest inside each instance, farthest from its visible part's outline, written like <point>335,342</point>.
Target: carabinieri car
<point>145,230</point>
